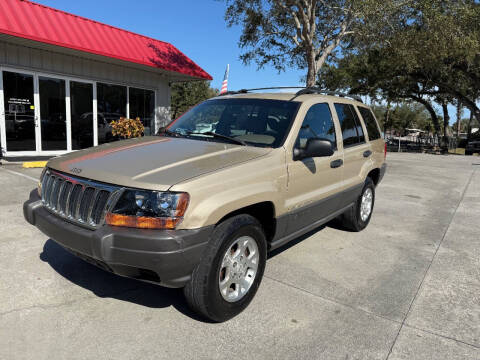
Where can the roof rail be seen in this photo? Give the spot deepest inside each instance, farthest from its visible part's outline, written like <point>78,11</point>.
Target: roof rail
<point>303,91</point>
<point>316,90</point>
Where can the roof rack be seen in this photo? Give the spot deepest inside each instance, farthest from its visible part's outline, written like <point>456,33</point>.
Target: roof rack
<point>303,91</point>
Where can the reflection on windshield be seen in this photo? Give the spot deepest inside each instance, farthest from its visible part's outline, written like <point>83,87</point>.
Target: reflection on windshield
<point>257,122</point>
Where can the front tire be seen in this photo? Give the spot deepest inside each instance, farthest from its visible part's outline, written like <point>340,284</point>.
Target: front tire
<point>231,269</point>
<point>358,216</point>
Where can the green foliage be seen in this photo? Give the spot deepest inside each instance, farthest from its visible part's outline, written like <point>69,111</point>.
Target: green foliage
<point>430,51</point>
<point>403,116</point>
<point>304,34</point>
<point>187,94</point>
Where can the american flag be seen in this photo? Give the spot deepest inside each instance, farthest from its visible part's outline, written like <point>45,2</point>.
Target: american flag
<point>225,81</point>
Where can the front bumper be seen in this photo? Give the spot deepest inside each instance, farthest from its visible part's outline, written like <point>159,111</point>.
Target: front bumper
<point>166,257</point>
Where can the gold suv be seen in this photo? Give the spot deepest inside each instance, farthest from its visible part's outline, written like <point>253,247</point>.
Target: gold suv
<point>201,204</point>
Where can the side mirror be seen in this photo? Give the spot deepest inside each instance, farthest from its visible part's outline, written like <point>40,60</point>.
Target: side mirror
<point>315,147</point>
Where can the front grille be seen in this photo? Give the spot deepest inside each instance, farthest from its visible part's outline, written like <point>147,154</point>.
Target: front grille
<point>78,200</point>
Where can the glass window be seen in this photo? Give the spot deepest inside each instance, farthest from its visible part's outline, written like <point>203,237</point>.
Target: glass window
<point>361,136</point>
<point>142,105</point>
<point>81,103</point>
<point>370,123</point>
<point>53,118</point>
<point>257,122</point>
<point>19,111</point>
<point>318,123</point>
<point>352,132</point>
<point>111,105</point>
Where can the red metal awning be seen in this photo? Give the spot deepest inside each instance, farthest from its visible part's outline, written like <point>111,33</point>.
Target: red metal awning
<point>28,20</point>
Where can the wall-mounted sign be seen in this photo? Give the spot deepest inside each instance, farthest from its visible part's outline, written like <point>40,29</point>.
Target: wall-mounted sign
<point>19,101</point>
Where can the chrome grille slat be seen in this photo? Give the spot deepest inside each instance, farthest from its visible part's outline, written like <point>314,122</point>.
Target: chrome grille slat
<point>91,205</point>
<point>67,201</point>
<point>85,203</point>
<point>48,189</point>
<point>78,200</point>
<point>72,207</point>
<point>63,196</point>
<point>60,194</point>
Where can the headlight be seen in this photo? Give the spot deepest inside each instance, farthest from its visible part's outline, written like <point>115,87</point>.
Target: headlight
<point>148,209</point>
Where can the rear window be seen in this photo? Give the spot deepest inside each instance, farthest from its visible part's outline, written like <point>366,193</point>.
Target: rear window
<point>370,123</point>
<point>352,131</point>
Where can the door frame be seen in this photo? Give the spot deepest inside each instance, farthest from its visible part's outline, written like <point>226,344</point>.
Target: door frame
<point>36,99</point>
<point>2,113</point>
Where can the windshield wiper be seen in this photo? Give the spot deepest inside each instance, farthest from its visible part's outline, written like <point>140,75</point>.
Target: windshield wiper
<point>220,136</point>
<point>165,131</point>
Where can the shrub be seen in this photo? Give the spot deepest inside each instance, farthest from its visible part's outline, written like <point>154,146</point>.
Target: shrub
<point>127,128</point>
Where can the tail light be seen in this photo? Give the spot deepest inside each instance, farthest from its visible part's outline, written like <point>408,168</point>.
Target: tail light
<point>385,152</point>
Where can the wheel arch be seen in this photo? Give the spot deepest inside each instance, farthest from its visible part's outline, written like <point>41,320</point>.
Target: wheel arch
<point>263,211</point>
<point>374,174</point>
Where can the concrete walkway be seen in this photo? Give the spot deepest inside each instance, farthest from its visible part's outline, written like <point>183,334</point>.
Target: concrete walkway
<point>407,287</point>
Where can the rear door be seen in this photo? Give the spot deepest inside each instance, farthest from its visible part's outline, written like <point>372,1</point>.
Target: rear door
<point>313,182</point>
<point>356,150</point>
<point>374,135</point>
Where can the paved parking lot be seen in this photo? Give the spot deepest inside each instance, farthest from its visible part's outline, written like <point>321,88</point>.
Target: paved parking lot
<point>408,287</point>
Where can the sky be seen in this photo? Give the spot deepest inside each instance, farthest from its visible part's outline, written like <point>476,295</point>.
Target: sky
<point>197,28</point>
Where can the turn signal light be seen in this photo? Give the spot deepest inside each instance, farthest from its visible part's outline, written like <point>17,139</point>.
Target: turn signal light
<point>141,222</point>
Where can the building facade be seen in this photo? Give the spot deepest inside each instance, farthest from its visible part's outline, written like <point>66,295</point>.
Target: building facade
<point>64,78</point>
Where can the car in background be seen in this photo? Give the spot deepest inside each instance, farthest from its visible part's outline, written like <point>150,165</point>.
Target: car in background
<point>473,144</point>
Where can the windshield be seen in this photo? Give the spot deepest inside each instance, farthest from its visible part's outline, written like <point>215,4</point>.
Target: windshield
<point>256,122</point>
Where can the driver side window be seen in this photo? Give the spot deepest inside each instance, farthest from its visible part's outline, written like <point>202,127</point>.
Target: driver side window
<point>318,123</point>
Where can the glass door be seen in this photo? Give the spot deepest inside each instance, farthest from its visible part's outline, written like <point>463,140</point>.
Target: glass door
<point>81,110</point>
<point>19,112</point>
<point>53,119</point>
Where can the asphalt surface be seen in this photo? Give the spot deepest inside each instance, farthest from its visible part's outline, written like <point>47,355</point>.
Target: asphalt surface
<point>407,287</point>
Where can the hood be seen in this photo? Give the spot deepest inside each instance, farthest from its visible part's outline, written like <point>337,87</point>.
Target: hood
<point>153,162</point>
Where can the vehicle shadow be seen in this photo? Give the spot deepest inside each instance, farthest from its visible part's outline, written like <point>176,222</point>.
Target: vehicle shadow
<point>107,285</point>
<point>334,224</point>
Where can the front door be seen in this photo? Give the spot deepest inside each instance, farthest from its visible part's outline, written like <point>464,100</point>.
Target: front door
<point>19,120</point>
<point>314,182</point>
<point>53,114</point>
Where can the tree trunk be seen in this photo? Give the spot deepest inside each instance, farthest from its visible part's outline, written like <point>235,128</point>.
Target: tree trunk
<point>431,110</point>
<point>311,73</point>
<point>469,126</point>
<point>385,120</point>
<point>459,117</point>
<point>446,120</point>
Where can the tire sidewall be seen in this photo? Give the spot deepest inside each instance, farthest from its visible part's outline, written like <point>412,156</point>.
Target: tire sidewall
<point>360,223</point>
<point>218,307</point>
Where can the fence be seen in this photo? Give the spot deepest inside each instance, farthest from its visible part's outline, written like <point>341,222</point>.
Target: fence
<point>433,144</point>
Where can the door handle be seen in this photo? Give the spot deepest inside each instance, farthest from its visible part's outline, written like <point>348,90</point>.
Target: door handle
<point>336,163</point>
<point>367,153</point>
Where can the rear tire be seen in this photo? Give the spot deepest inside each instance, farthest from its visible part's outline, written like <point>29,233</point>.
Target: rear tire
<point>468,152</point>
<point>231,269</point>
<point>358,216</point>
